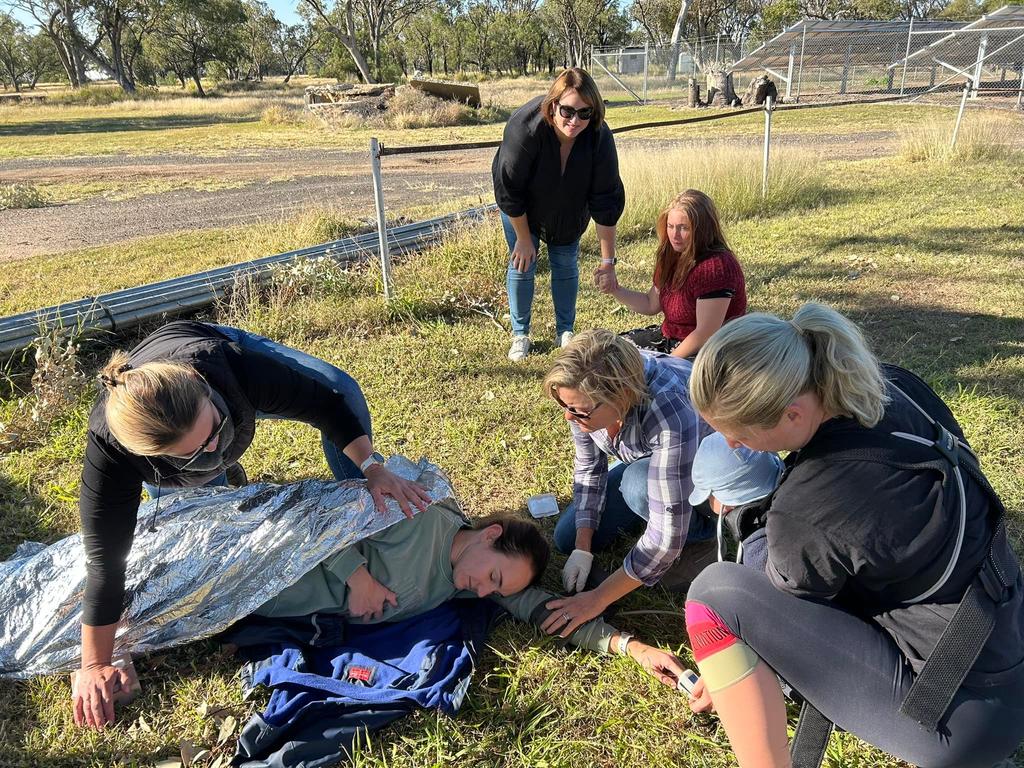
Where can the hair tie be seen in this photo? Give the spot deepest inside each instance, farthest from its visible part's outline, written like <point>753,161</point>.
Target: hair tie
<point>797,328</point>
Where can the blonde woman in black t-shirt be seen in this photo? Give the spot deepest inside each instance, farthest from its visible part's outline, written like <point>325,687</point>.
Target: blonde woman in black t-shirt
<point>874,538</point>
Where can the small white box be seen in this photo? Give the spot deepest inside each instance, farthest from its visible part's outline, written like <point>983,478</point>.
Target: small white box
<point>542,505</point>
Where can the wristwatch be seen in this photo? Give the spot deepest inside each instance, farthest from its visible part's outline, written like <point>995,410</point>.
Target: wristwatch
<point>624,638</point>
<point>373,458</point>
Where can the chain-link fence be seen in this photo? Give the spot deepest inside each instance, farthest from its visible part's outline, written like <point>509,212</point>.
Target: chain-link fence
<point>652,73</point>
<point>816,60</point>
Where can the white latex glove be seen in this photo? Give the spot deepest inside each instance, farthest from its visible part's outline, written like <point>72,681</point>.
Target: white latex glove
<point>576,570</point>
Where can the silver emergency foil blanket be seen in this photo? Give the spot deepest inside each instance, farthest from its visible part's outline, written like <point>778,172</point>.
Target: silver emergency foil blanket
<point>216,555</point>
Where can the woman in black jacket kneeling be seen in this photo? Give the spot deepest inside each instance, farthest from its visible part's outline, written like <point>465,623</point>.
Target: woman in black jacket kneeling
<point>178,411</point>
<point>883,536</point>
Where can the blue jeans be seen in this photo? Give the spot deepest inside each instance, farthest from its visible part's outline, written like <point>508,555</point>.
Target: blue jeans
<point>342,467</point>
<point>565,283</point>
<point>626,512</point>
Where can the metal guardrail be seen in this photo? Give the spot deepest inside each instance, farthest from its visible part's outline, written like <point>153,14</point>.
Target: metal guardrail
<point>124,309</point>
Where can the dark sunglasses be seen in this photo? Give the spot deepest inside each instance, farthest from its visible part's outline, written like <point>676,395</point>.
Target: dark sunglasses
<point>581,415</point>
<point>206,444</point>
<point>569,113</point>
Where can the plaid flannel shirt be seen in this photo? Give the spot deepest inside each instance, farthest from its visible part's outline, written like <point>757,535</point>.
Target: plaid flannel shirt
<point>666,428</point>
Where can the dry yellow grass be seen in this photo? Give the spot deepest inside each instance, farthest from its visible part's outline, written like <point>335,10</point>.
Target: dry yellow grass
<point>982,136</point>
<point>730,175</point>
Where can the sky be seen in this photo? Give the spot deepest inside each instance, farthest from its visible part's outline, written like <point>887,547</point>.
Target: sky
<point>283,9</point>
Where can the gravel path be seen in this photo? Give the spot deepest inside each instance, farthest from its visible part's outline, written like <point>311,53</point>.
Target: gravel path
<point>275,184</point>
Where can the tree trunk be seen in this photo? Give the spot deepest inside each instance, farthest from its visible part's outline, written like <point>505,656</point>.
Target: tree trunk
<point>347,40</point>
<point>694,93</point>
<point>199,83</point>
<point>725,94</point>
<point>677,31</point>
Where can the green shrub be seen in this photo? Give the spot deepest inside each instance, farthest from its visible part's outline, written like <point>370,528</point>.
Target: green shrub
<point>20,196</point>
<point>101,95</point>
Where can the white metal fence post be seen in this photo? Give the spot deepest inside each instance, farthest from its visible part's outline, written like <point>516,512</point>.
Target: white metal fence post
<point>906,56</point>
<point>767,145</point>
<point>800,77</point>
<point>647,62</point>
<point>982,45</point>
<point>960,114</point>
<point>382,227</point>
<point>789,70</point>
<point>1020,90</point>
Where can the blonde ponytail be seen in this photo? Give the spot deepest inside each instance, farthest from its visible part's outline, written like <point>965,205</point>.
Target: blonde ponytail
<point>149,408</point>
<point>752,368</point>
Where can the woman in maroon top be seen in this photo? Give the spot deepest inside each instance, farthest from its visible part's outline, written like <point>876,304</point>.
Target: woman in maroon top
<point>698,283</point>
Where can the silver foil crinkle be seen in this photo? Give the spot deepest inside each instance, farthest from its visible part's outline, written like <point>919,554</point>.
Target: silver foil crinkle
<point>215,557</point>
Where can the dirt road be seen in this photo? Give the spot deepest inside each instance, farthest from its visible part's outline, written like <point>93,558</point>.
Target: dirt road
<point>272,184</point>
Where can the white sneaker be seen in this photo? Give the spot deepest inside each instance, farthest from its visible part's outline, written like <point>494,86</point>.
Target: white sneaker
<point>563,338</point>
<point>520,348</point>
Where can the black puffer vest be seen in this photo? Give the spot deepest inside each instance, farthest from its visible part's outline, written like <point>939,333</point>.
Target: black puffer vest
<point>202,347</point>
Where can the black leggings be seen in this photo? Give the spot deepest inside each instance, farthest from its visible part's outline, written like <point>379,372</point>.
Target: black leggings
<point>853,673</point>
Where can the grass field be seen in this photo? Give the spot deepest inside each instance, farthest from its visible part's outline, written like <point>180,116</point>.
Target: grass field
<point>235,122</point>
<point>927,256</point>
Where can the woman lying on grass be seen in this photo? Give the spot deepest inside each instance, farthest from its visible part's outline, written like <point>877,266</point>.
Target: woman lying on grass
<point>417,564</point>
<point>698,283</point>
<point>409,568</point>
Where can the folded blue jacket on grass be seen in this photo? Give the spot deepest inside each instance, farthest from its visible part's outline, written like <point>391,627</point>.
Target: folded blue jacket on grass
<point>324,696</point>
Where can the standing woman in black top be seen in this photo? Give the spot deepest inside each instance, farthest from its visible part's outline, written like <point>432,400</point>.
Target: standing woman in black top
<point>556,169</point>
<point>178,411</point>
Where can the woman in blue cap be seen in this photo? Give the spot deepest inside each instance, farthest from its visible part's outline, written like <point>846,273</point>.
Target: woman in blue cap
<point>732,481</point>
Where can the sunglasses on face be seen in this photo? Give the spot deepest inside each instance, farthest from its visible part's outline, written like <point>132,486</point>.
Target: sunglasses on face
<point>580,415</point>
<point>214,434</point>
<point>584,113</point>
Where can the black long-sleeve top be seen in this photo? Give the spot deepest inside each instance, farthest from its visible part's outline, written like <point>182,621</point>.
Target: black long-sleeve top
<point>248,382</point>
<point>528,178</point>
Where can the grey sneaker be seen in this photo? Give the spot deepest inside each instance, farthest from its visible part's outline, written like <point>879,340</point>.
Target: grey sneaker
<point>520,348</point>
<point>563,338</point>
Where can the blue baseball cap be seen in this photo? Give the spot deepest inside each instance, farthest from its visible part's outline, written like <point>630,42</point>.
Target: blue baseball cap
<point>734,475</point>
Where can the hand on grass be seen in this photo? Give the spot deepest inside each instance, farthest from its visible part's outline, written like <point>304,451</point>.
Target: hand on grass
<point>381,482</point>
<point>367,597</point>
<point>576,570</point>
<point>92,694</point>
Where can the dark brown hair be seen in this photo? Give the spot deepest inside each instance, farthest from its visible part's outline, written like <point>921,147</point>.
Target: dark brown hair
<point>706,237</point>
<point>520,538</point>
<point>580,81</point>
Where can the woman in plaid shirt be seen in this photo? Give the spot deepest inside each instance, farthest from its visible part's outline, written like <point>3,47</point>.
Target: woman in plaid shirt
<point>635,407</point>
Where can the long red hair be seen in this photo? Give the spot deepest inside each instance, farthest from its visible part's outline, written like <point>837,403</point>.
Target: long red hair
<point>706,237</point>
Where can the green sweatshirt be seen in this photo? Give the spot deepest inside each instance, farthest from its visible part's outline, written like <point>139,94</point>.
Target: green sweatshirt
<point>412,558</point>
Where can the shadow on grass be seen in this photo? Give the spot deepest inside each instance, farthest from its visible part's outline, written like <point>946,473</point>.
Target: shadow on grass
<point>954,240</point>
<point>22,517</point>
<point>938,344</point>
<point>118,124</point>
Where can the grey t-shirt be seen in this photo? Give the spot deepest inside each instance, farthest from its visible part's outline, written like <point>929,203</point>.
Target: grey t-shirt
<point>412,558</point>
